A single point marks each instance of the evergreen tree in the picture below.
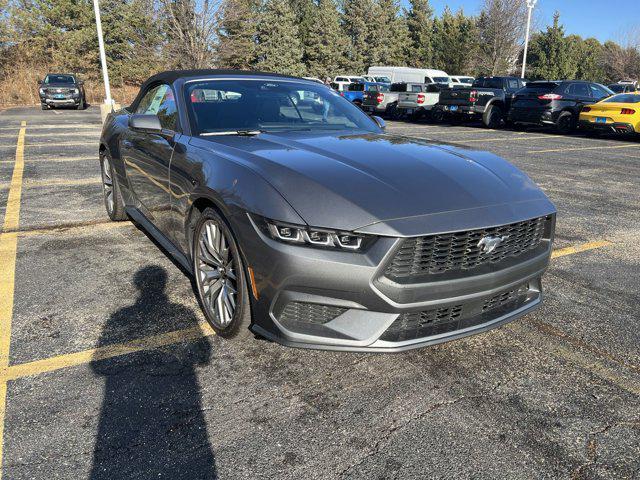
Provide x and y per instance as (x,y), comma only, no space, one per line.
(455,42)
(550,56)
(305,12)
(279,48)
(420,26)
(388,36)
(326,44)
(357,17)
(236,35)
(590,66)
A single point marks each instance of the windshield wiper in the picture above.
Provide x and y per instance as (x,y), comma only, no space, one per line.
(241,133)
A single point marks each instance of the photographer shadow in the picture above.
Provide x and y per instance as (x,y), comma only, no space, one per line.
(151,423)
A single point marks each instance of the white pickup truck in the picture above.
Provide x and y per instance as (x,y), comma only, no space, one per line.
(418,100)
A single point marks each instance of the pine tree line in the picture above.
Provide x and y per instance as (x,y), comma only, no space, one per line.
(317,38)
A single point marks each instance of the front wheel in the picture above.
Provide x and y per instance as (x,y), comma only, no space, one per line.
(111,190)
(220,277)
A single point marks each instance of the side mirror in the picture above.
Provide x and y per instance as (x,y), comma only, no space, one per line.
(39,82)
(145,123)
(380,122)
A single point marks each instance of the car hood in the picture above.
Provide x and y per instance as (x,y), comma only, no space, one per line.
(386,184)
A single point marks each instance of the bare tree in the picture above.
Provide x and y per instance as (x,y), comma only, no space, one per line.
(501,25)
(191,27)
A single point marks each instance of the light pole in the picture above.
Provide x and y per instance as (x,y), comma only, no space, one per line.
(530,5)
(108,102)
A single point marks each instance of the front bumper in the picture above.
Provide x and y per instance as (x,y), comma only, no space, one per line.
(338,300)
(67,101)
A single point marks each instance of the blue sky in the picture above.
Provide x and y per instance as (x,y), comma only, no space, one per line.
(587,18)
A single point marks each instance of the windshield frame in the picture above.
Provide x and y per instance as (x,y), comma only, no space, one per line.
(185,101)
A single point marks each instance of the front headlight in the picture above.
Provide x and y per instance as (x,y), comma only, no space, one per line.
(75,91)
(313,237)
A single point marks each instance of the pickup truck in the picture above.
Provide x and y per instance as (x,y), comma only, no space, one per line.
(383,102)
(418,100)
(355,91)
(488,98)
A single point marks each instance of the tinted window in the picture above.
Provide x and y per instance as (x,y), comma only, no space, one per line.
(356,87)
(398,87)
(441,79)
(599,91)
(230,105)
(578,90)
(617,88)
(513,84)
(468,81)
(377,88)
(428,80)
(416,88)
(624,98)
(433,88)
(59,79)
(493,83)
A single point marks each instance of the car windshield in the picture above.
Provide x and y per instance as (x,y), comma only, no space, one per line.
(228,106)
(624,98)
(440,79)
(383,79)
(466,80)
(59,79)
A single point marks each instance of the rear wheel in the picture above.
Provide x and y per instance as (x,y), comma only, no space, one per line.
(566,123)
(437,116)
(220,276)
(44,106)
(492,117)
(111,191)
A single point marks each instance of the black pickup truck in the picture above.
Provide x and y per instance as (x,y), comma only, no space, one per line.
(61,90)
(488,98)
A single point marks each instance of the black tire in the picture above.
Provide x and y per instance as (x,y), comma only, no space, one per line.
(416,116)
(112,196)
(566,123)
(437,116)
(44,106)
(492,117)
(392,112)
(237,324)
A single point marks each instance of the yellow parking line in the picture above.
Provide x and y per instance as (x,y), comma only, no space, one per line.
(512,138)
(561,252)
(51,364)
(8,251)
(576,149)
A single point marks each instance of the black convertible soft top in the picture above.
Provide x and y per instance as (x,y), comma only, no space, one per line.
(170,76)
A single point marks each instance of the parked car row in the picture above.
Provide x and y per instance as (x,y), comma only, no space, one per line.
(563,104)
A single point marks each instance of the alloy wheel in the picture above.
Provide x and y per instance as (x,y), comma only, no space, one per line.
(107,184)
(217,274)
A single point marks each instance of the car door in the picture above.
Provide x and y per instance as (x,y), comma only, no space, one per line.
(147,155)
(582,95)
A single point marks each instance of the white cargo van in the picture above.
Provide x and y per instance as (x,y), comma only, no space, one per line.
(411,75)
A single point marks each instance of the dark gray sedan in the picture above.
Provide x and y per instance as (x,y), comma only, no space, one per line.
(305,223)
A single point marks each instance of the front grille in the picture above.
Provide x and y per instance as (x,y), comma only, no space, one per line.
(303,312)
(460,251)
(427,323)
(58,90)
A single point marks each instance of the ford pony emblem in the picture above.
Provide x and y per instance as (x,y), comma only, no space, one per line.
(489,243)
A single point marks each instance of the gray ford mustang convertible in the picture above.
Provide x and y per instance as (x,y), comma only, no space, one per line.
(304,222)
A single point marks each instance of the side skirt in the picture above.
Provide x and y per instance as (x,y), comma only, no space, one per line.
(138,217)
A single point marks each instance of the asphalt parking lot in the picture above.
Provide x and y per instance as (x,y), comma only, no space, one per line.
(109,372)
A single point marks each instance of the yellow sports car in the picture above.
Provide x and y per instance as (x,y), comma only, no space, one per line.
(619,114)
